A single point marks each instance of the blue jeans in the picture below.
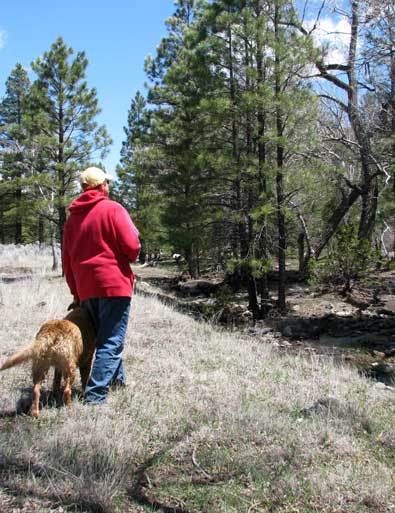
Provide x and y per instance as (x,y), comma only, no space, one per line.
(110,316)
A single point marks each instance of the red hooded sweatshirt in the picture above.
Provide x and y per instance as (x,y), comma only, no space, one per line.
(99,241)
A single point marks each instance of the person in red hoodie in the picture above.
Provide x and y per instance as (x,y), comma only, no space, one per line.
(99,242)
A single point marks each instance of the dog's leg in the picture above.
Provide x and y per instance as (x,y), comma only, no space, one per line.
(36,400)
(70,377)
(38,377)
(57,381)
(85,371)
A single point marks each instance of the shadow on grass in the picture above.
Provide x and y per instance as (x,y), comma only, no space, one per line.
(48,399)
(13,467)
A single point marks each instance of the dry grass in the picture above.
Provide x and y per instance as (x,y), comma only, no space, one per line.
(210,422)
(16,259)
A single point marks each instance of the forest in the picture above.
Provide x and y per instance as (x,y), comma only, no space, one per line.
(263,140)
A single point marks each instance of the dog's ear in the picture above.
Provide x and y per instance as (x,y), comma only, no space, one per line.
(72,306)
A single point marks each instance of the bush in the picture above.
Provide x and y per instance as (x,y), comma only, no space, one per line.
(350,259)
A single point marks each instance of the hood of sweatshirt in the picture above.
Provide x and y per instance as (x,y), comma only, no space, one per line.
(86,201)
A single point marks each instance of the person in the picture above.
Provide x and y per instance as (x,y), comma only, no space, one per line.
(99,242)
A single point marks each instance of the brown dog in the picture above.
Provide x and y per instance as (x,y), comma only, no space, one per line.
(64,344)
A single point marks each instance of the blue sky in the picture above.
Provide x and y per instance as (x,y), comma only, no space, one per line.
(116,35)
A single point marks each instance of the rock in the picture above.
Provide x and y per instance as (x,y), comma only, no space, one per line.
(378,354)
(322,406)
(235,314)
(332,406)
(383,372)
(288,332)
(197,287)
(343,313)
(247,315)
(385,311)
(257,331)
(384,368)
(389,306)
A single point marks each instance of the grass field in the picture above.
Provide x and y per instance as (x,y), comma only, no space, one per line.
(210,422)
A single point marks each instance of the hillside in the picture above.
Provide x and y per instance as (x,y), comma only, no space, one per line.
(211,421)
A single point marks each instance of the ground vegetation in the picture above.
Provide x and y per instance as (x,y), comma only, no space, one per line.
(211,421)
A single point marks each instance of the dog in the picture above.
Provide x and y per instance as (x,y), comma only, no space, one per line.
(64,344)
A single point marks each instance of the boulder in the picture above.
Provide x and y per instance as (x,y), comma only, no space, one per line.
(193,288)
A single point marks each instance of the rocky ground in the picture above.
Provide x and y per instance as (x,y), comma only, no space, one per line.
(359,329)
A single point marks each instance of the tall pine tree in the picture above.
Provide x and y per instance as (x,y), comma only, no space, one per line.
(135,187)
(14,144)
(180,79)
(63,119)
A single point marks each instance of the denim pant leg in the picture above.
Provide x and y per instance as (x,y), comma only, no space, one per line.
(110,316)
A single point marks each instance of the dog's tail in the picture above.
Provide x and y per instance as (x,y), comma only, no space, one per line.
(20,356)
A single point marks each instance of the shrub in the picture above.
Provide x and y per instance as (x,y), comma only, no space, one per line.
(349,259)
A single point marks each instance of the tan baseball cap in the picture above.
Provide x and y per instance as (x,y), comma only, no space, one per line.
(94,176)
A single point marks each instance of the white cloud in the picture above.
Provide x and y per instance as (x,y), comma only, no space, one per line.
(335,35)
(3,38)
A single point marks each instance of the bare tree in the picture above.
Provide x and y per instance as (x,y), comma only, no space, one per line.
(344,90)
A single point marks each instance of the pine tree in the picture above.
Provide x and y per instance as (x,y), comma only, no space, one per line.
(263,110)
(180,80)
(135,187)
(63,121)
(14,148)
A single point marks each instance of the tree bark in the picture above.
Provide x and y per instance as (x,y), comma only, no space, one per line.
(368,185)
(334,221)
(55,260)
(263,286)
(40,231)
(279,175)
(18,219)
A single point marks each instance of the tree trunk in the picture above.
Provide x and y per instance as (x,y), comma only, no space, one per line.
(18,220)
(369,186)
(279,175)
(301,251)
(263,286)
(62,222)
(190,258)
(236,186)
(334,221)
(40,230)
(249,235)
(368,210)
(55,260)
(62,215)
(2,237)
(392,114)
